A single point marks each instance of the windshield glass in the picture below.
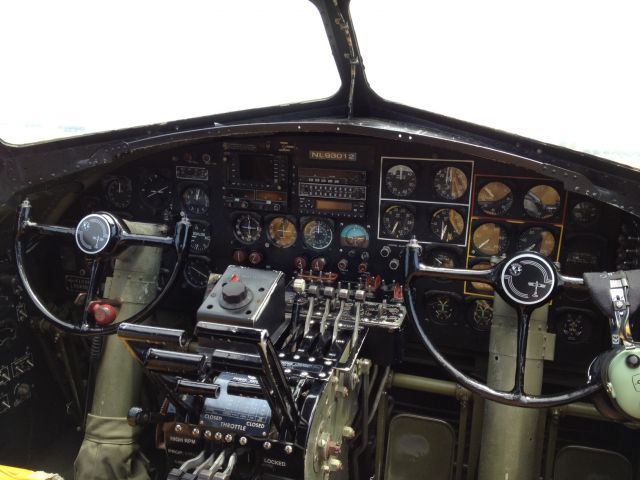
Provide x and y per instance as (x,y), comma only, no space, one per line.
(76,67)
(566,73)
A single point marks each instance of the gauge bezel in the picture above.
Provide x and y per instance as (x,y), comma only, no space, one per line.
(389,235)
(458,236)
(164,198)
(323,220)
(476,250)
(437,189)
(188,262)
(236,218)
(124,180)
(344,244)
(191,208)
(208,235)
(269,220)
(511,194)
(392,189)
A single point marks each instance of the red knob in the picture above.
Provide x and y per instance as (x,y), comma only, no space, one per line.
(300,263)
(104,313)
(239,256)
(318,264)
(255,258)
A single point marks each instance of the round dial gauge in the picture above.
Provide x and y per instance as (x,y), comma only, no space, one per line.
(537,239)
(450,183)
(119,192)
(441,259)
(317,234)
(447,224)
(542,201)
(196,272)
(398,222)
(247,228)
(480,286)
(441,309)
(156,191)
(195,200)
(200,237)
(400,180)
(574,326)
(495,198)
(490,239)
(282,232)
(481,314)
(585,213)
(355,236)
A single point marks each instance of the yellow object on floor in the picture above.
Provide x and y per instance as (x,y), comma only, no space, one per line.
(13,473)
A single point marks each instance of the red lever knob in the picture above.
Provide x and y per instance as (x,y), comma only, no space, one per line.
(104,313)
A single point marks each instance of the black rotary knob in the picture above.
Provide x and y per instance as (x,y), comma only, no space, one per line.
(234,292)
(633,361)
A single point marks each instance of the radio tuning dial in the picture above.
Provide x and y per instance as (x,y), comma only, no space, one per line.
(318,264)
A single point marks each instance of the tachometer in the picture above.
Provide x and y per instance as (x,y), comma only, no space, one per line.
(156,191)
(537,239)
(247,228)
(447,224)
(119,192)
(495,198)
(450,183)
(354,235)
(200,237)
(282,232)
(317,234)
(542,201)
(398,221)
(195,200)
(490,239)
(400,180)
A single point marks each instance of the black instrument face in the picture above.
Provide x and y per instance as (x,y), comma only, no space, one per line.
(196,272)
(93,234)
(119,192)
(398,222)
(156,191)
(585,213)
(401,180)
(441,309)
(247,229)
(574,326)
(200,237)
(450,183)
(480,314)
(317,234)
(447,224)
(195,200)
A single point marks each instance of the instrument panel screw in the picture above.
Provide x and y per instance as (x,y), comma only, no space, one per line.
(267,445)
(178,428)
(195,432)
(288,449)
(218,436)
(228,438)
(208,434)
(243,440)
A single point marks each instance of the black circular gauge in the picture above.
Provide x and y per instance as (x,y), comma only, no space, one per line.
(196,272)
(400,180)
(495,198)
(441,308)
(482,287)
(542,201)
(156,191)
(317,234)
(490,239)
(119,192)
(195,200)
(450,183)
(537,239)
(574,326)
(441,259)
(247,228)
(200,237)
(398,222)
(585,213)
(282,232)
(480,314)
(447,224)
